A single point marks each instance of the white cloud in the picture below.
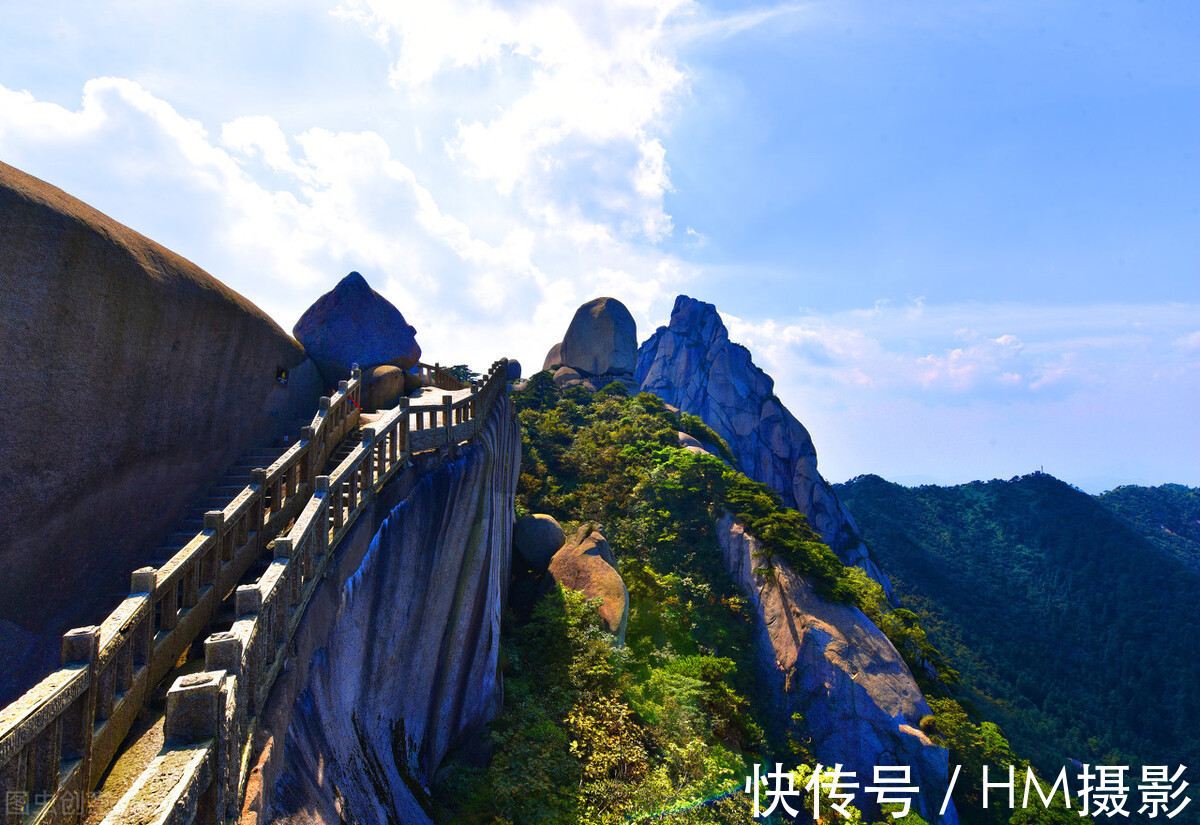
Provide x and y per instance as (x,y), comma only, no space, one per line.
(281,217)
(956,354)
(955,392)
(598,80)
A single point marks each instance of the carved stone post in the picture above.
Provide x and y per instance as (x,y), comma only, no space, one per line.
(214,520)
(368,466)
(447,412)
(258,515)
(81,646)
(196,706)
(321,490)
(144,580)
(248,602)
(223,652)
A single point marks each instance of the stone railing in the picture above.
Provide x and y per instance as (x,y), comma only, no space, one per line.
(438,376)
(200,774)
(57,740)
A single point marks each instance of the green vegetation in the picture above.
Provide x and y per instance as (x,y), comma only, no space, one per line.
(1168,517)
(668,727)
(1069,629)
(464,373)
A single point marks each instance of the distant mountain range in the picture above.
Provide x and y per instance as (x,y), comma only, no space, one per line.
(1072,618)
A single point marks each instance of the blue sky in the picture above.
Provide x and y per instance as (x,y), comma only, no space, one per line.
(964,237)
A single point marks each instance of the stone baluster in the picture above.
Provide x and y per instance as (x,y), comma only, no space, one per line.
(144,580)
(214,520)
(336,492)
(14,788)
(447,401)
(196,708)
(394,441)
(368,463)
(190,583)
(247,603)
(45,759)
(81,646)
(284,549)
(306,466)
(321,488)
(169,607)
(223,652)
(258,477)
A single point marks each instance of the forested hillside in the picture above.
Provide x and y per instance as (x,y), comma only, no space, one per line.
(1166,516)
(667,727)
(1070,628)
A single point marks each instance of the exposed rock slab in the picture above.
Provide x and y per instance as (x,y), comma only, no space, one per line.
(587,564)
(829,663)
(354,324)
(397,654)
(163,377)
(692,364)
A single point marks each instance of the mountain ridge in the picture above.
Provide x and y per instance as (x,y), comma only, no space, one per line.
(1071,623)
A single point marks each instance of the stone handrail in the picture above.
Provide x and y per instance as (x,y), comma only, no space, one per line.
(440,377)
(206,759)
(57,739)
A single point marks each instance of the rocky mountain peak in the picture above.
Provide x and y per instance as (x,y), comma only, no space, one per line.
(354,324)
(692,364)
(600,346)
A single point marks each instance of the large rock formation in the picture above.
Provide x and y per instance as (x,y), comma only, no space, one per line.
(354,324)
(397,653)
(828,663)
(600,346)
(692,364)
(587,564)
(382,387)
(537,538)
(132,380)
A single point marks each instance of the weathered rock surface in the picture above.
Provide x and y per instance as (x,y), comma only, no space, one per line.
(382,387)
(354,324)
(692,364)
(514,370)
(537,538)
(602,339)
(397,653)
(151,378)
(829,663)
(695,445)
(553,357)
(587,564)
(567,377)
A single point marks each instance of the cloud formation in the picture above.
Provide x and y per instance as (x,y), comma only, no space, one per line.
(490,166)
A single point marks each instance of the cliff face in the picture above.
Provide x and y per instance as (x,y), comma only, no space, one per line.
(398,650)
(132,380)
(692,364)
(829,663)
